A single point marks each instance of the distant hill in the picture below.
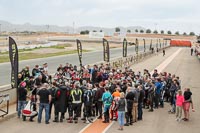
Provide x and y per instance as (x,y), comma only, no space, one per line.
(9,27)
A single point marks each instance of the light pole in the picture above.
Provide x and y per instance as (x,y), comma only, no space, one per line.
(47,32)
(0,28)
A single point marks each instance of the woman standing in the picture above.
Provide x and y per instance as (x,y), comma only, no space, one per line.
(121,111)
(179,105)
(186,106)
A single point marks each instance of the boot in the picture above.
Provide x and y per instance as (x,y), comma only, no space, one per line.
(70,120)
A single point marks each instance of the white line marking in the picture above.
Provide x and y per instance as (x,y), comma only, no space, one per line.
(105,130)
(166,62)
(87,126)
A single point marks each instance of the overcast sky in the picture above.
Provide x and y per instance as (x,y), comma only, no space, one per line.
(175,15)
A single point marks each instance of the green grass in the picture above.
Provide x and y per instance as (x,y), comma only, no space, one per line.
(27,56)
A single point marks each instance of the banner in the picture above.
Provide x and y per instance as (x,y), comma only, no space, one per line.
(106,50)
(13,53)
(125,43)
(136,46)
(144,45)
(150,47)
(160,43)
(163,43)
(79,50)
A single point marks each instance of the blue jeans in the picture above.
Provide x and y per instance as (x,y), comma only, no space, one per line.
(121,115)
(21,106)
(41,107)
(106,112)
(140,112)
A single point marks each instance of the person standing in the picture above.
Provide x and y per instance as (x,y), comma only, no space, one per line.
(140,101)
(186,105)
(107,100)
(163,52)
(76,101)
(98,98)
(88,101)
(135,103)
(44,98)
(121,110)
(130,96)
(158,86)
(61,95)
(21,98)
(52,91)
(179,105)
(192,50)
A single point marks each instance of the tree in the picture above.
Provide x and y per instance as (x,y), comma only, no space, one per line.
(117,29)
(155,32)
(136,30)
(162,32)
(141,31)
(148,31)
(169,32)
(94,31)
(84,32)
(192,34)
(128,31)
(185,34)
(177,33)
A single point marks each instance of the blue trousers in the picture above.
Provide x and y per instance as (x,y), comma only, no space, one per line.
(21,106)
(44,106)
(121,115)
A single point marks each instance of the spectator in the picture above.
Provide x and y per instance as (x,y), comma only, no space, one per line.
(44,98)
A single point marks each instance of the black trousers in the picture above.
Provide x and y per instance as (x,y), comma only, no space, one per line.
(99,106)
(76,110)
(57,115)
(157,100)
(88,111)
(128,116)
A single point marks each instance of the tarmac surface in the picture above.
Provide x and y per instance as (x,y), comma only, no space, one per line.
(182,64)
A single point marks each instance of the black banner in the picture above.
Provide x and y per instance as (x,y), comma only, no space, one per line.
(144,45)
(150,47)
(136,46)
(13,53)
(106,50)
(79,50)
(125,43)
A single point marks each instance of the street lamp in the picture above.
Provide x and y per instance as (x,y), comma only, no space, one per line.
(0,28)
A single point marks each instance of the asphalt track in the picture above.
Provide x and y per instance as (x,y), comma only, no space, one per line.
(53,62)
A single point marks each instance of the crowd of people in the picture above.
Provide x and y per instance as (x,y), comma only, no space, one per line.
(99,91)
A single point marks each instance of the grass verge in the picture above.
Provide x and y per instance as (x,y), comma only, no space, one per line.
(26,56)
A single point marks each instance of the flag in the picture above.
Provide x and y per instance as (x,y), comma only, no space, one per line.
(79,50)
(125,47)
(150,47)
(136,46)
(13,53)
(106,50)
(144,45)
